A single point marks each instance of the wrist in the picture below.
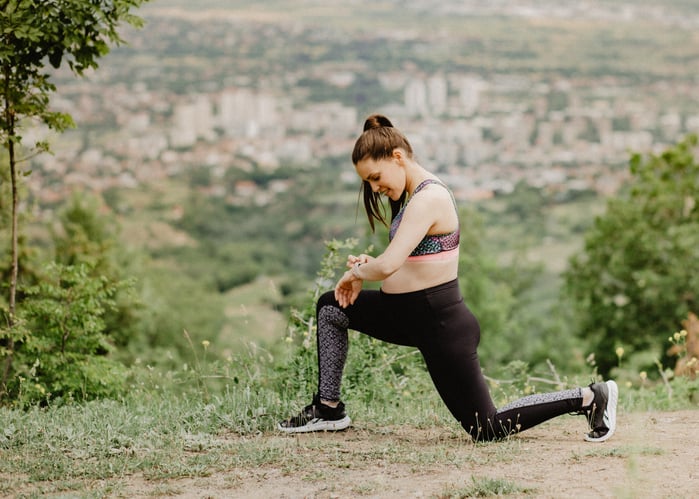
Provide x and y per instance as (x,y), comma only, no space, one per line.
(355,271)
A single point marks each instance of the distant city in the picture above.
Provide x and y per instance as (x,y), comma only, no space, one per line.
(484,132)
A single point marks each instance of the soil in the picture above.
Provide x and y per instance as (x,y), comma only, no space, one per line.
(651,455)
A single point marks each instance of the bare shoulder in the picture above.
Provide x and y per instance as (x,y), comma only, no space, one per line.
(434,194)
(430,205)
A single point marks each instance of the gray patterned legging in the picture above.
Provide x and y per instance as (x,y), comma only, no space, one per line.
(437,322)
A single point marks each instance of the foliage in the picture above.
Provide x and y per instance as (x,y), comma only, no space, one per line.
(487,487)
(638,274)
(60,350)
(33,33)
(86,234)
(172,303)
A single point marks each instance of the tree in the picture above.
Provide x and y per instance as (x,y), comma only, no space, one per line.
(33,35)
(86,235)
(638,274)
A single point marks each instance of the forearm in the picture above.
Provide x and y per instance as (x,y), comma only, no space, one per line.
(374,270)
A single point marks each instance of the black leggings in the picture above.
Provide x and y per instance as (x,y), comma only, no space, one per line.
(437,322)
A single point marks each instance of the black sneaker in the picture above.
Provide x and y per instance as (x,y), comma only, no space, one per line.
(317,417)
(601,414)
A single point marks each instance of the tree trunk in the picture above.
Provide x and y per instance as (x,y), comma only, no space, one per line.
(10,124)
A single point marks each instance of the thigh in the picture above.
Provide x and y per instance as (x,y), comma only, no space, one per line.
(373,315)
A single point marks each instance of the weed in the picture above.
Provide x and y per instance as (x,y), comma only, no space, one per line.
(486,487)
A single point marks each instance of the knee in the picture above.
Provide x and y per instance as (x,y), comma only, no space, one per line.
(331,315)
(327,298)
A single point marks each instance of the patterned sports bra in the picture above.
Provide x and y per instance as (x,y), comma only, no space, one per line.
(430,244)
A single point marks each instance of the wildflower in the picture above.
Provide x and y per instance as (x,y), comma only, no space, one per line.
(676,336)
(683,333)
(619,352)
(643,375)
(288,339)
(206,344)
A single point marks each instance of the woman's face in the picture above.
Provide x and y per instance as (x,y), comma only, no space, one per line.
(386,176)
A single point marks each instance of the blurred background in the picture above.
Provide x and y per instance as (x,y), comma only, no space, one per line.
(211,157)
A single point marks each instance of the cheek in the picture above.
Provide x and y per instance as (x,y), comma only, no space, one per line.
(397,181)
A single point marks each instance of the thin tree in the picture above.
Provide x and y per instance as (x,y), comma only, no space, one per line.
(36,34)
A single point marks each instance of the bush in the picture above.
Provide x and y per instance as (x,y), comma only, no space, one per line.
(58,349)
(637,275)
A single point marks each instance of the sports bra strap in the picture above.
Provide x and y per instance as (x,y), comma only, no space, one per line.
(430,244)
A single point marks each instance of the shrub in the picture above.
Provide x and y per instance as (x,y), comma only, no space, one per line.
(60,350)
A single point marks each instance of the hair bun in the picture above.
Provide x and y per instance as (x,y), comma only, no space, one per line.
(377,121)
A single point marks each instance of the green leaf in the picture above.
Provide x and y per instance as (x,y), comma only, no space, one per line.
(55,58)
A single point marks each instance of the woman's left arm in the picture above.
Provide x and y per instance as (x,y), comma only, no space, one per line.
(419,217)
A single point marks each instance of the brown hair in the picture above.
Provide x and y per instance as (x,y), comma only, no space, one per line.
(378,141)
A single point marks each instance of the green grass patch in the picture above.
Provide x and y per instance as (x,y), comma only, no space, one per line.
(486,487)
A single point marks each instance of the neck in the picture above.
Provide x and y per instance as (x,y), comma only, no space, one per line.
(415,176)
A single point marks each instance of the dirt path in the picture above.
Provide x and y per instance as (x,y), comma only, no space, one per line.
(652,455)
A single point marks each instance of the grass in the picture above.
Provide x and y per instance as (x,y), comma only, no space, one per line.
(486,487)
(163,435)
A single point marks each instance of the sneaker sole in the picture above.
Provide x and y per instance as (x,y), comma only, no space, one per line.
(318,425)
(610,412)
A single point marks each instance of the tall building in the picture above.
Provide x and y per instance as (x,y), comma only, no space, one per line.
(192,120)
(470,89)
(244,112)
(416,97)
(437,95)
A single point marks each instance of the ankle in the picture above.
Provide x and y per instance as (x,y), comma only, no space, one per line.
(588,397)
(330,403)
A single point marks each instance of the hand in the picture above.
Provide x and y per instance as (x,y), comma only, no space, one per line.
(351,260)
(347,289)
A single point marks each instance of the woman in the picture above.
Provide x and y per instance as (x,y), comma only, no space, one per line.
(420,305)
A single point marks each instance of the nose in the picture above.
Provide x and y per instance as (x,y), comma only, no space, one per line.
(374,186)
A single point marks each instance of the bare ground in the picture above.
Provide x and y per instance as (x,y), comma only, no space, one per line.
(652,455)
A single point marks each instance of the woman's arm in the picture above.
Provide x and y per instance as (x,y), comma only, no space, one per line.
(424,212)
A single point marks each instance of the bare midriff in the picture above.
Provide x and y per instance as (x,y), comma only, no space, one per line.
(421,272)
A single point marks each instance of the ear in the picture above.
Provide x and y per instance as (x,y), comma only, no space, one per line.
(399,155)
